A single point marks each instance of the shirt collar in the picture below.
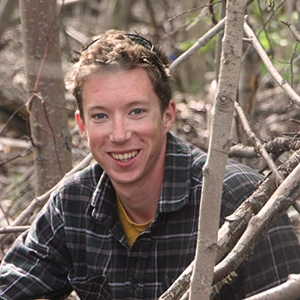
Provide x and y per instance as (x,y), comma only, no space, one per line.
(177,177)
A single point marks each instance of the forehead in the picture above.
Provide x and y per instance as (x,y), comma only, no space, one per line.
(132,77)
(131,84)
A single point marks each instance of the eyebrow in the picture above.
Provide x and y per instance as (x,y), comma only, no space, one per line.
(131,104)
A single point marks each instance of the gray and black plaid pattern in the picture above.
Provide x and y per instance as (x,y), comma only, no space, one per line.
(77,241)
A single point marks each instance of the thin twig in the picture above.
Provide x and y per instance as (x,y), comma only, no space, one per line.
(22,154)
(10,118)
(28,106)
(194,9)
(258,145)
(293,30)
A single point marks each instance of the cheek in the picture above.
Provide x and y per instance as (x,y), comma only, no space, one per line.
(95,137)
(149,131)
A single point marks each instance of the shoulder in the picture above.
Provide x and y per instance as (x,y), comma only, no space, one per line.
(77,188)
(240,181)
(87,177)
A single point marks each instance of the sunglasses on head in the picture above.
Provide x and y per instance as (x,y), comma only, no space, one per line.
(139,40)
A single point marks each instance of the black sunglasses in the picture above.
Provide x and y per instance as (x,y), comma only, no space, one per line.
(139,40)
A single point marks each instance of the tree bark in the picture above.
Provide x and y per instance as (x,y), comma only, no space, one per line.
(214,168)
(48,116)
(6,10)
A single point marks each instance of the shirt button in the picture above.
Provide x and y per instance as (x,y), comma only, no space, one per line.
(134,284)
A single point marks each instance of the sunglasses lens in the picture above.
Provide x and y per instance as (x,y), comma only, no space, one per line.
(140,41)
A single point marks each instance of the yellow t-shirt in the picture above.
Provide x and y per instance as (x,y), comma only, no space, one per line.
(131,229)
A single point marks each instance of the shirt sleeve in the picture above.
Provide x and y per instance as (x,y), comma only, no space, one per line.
(275,257)
(276,254)
(37,264)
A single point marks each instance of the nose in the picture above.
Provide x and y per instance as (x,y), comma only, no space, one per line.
(120,131)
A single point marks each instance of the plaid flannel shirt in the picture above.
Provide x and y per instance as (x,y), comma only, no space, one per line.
(77,241)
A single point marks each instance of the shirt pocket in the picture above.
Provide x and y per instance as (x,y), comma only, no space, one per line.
(93,289)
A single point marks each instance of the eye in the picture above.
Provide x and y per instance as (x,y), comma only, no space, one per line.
(99,116)
(137,111)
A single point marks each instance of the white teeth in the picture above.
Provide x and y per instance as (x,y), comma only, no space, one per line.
(124,157)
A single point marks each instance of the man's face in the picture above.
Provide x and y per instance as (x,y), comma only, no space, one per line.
(124,125)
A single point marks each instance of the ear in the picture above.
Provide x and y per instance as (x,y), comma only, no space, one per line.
(169,115)
(80,124)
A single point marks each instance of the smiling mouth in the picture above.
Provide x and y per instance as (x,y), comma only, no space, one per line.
(124,157)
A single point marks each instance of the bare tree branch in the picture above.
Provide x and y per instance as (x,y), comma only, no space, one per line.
(11,142)
(13,229)
(293,30)
(199,44)
(258,145)
(180,286)
(274,73)
(235,224)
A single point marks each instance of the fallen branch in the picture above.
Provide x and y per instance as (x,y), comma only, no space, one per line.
(273,146)
(180,286)
(235,224)
(16,143)
(13,229)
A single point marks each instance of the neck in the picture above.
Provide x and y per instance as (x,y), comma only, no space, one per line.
(140,200)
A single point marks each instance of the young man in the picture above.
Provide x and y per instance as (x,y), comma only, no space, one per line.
(126,227)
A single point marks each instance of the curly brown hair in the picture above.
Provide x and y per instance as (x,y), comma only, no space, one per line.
(113,51)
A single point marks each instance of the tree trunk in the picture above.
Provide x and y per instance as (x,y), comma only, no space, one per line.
(48,121)
(6,10)
(214,169)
